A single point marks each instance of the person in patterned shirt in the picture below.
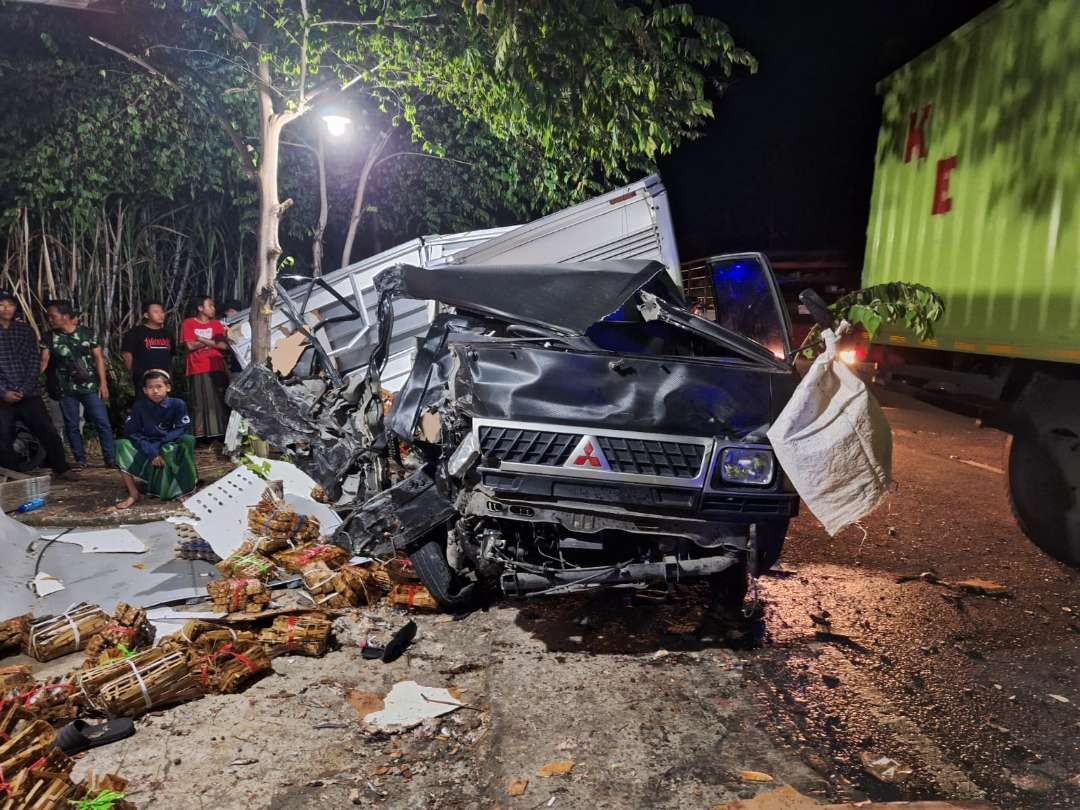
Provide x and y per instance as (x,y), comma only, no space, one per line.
(73,359)
(20,397)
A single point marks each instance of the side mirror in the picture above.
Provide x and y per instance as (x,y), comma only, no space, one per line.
(817,308)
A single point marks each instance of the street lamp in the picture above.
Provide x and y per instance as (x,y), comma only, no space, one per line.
(336,123)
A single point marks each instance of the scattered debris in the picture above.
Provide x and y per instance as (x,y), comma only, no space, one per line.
(755,776)
(1058,698)
(408,704)
(981,587)
(518,787)
(884,769)
(1032,782)
(559,767)
(44,584)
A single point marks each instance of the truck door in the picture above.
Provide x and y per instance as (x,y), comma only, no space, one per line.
(747,300)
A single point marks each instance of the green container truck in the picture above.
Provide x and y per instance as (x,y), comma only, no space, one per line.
(977,195)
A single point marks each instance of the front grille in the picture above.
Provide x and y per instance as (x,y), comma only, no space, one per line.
(526,446)
(749,505)
(649,457)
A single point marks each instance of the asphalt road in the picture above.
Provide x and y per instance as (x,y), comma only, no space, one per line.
(979,695)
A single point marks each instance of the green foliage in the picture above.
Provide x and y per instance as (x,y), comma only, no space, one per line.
(914,306)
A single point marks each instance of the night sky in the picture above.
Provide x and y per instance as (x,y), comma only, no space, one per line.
(788,162)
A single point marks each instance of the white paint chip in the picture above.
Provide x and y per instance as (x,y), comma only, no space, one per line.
(408,704)
(44,584)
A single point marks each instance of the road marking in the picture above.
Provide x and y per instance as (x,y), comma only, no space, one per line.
(981,466)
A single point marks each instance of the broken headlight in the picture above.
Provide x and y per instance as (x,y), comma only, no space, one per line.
(747,465)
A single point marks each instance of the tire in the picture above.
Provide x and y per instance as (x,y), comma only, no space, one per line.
(770,542)
(1045,503)
(30,451)
(430,563)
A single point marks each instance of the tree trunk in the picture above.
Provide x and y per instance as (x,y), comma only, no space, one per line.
(320,229)
(358,201)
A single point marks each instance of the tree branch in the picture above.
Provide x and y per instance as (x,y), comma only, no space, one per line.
(230,130)
(375,165)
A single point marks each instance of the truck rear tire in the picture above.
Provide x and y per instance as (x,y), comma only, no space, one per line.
(1044,496)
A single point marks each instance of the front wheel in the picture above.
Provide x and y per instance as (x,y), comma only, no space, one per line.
(448,588)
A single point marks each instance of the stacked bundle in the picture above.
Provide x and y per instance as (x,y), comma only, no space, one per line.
(14,677)
(13,634)
(55,700)
(53,636)
(297,635)
(278,527)
(129,630)
(247,563)
(413,597)
(35,775)
(130,687)
(370,582)
(295,559)
(203,636)
(224,669)
(328,589)
(234,595)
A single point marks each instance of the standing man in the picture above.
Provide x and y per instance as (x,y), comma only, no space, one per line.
(72,354)
(148,346)
(206,341)
(20,364)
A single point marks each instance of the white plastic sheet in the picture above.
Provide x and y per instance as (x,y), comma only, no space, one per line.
(834,442)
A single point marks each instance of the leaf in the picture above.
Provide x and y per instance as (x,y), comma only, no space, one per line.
(560,767)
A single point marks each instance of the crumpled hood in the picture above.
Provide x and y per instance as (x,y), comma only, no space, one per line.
(568,298)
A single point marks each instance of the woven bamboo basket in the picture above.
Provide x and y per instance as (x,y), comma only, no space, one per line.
(13,633)
(15,677)
(44,785)
(247,563)
(235,595)
(53,636)
(225,669)
(370,582)
(275,521)
(307,634)
(129,630)
(131,687)
(328,589)
(203,636)
(23,741)
(295,559)
(413,598)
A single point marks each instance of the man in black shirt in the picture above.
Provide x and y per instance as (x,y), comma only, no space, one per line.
(20,364)
(148,346)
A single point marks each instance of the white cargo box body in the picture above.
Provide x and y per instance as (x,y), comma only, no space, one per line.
(632,222)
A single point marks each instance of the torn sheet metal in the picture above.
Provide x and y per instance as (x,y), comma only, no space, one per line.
(400,515)
(44,584)
(110,541)
(546,295)
(312,425)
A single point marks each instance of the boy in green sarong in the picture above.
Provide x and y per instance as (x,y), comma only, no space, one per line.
(158,448)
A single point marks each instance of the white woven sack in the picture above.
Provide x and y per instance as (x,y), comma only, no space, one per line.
(834,442)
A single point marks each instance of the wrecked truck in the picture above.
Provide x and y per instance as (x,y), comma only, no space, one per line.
(563,427)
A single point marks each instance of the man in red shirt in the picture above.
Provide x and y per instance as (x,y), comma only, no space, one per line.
(206,340)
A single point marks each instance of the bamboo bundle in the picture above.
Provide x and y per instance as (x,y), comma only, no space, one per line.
(22,742)
(281,525)
(129,630)
(198,636)
(13,633)
(96,788)
(232,595)
(297,635)
(400,571)
(133,686)
(413,597)
(15,677)
(53,636)
(247,563)
(56,701)
(370,582)
(295,559)
(225,669)
(329,589)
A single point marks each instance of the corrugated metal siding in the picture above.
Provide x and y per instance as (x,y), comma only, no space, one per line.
(1004,92)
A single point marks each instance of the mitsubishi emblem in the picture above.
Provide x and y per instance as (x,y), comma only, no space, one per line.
(587,455)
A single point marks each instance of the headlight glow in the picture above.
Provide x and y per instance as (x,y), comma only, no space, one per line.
(745,465)
(848,356)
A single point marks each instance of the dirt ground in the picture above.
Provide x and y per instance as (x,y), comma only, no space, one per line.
(657,706)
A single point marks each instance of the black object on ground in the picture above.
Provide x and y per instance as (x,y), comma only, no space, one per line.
(399,643)
(79,735)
